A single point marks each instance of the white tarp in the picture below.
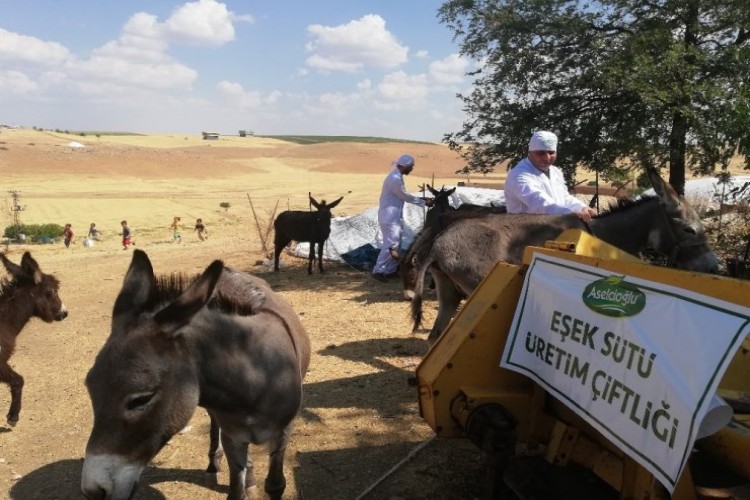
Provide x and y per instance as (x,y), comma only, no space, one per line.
(361,231)
(708,188)
(638,360)
(349,234)
(75,145)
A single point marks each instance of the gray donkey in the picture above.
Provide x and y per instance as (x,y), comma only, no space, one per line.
(227,343)
(461,255)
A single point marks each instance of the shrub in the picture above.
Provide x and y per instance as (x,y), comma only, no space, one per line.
(34,232)
(225,205)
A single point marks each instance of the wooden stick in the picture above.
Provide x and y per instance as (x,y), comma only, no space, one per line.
(264,249)
(269,226)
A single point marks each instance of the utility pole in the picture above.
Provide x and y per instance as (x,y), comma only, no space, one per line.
(16,208)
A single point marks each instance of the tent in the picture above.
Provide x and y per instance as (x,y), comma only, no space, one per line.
(357,239)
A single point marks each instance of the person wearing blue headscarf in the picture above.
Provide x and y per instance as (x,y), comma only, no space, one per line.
(390,210)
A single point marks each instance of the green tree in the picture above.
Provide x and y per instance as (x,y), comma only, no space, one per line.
(622,82)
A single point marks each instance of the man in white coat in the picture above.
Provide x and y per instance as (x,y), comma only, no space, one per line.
(536,186)
(392,199)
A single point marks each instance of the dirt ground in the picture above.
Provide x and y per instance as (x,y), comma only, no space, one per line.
(360,418)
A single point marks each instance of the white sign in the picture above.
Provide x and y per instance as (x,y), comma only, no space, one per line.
(638,360)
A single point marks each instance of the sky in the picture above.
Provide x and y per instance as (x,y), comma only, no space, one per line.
(383,68)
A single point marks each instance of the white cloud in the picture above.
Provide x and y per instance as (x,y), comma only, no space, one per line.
(422,54)
(205,22)
(15,82)
(15,47)
(398,86)
(273,97)
(238,96)
(353,46)
(364,85)
(166,74)
(450,70)
(139,57)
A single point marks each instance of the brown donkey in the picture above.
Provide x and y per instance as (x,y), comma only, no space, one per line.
(29,293)
(227,343)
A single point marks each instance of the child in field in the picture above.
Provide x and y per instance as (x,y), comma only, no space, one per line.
(126,235)
(201,229)
(68,235)
(94,233)
(176,227)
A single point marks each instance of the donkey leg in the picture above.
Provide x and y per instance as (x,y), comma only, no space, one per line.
(320,256)
(15,381)
(215,451)
(238,459)
(278,245)
(449,297)
(275,481)
(311,257)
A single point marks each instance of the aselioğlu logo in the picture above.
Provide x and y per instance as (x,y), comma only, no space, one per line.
(613,296)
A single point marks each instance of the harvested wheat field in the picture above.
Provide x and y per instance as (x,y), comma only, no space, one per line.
(360,417)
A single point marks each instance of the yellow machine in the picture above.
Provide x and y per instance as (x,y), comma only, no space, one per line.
(464,393)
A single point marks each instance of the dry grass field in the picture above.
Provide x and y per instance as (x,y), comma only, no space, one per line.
(360,416)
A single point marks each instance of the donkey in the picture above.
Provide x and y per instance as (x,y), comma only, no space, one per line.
(29,293)
(300,226)
(439,216)
(464,253)
(227,343)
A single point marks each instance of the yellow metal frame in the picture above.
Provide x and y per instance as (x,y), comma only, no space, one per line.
(461,372)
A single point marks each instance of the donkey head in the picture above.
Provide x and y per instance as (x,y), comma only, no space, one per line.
(143,384)
(323,215)
(680,232)
(43,288)
(441,198)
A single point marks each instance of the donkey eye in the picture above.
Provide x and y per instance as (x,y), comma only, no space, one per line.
(690,230)
(137,402)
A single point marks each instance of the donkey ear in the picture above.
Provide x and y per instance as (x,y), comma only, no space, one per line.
(451,191)
(180,312)
(137,289)
(664,191)
(432,190)
(31,268)
(314,203)
(332,205)
(14,269)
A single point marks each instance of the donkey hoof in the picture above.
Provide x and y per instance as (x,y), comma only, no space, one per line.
(275,488)
(211,479)
(12,421)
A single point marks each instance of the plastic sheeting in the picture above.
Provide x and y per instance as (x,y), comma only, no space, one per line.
(356,240)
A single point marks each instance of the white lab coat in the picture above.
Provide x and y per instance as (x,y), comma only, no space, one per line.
(529,190)
(392,199)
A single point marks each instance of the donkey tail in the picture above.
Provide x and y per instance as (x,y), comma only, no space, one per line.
(416,311)
(416,301)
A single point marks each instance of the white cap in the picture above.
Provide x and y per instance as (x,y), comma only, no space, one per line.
(543,141)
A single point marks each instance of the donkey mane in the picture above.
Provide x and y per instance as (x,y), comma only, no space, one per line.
(625,204)
(7,286)
(170,286)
